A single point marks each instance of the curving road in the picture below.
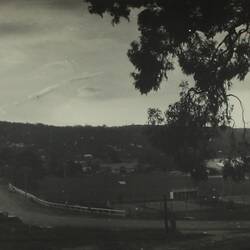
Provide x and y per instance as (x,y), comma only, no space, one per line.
(33,214)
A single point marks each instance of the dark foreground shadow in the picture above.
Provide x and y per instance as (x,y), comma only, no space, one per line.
(18,236)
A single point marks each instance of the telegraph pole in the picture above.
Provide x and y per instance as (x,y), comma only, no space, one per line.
(165,213)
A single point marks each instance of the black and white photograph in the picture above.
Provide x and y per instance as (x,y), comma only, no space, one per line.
(124,125)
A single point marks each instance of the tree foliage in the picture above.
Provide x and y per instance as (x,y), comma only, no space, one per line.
(210,41)
(185,134)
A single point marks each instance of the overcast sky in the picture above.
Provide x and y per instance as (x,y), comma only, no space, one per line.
(60,65)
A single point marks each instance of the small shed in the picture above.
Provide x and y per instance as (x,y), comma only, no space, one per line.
(184,194)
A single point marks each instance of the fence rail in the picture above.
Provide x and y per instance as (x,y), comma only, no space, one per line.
(83,209)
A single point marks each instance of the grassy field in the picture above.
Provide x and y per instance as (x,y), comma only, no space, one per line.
(101,188)
(98,189)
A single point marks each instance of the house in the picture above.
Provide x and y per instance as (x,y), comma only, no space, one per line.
(215,165)
(120,167)
(88,156)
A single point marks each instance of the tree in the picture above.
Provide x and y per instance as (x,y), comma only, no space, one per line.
(185,134)
(72,169)
(210,40)
(28,168)
(237,163)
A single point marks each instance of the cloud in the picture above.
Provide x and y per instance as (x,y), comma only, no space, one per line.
(66,4)
(53,88)
(39,95)
(43,92)
(92,89)
(16,28)
(89,92)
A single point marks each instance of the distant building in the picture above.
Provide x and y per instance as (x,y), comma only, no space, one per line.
(120,167)
(215,165)
(183,194)
(88,156)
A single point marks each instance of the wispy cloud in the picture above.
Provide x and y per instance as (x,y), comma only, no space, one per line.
(43,92)
(53,88)
(92,89)
(47,91)
(16,28)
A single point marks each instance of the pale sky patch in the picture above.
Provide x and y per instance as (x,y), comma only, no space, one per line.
(60,65)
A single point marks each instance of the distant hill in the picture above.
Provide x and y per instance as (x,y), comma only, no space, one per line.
(110,144)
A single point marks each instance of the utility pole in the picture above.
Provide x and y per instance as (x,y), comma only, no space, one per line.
(165,213)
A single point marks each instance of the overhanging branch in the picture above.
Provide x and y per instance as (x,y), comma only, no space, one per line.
(242,112)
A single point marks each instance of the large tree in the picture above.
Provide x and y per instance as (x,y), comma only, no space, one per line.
(210,40)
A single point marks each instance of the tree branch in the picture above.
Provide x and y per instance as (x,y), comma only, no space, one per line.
(242,113)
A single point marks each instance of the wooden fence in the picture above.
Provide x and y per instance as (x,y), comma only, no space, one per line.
(77,208)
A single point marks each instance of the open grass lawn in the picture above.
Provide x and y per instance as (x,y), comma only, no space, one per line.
(103,188)
(217,213)
(100,188)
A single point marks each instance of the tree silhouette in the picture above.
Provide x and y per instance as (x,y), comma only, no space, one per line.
(28,168)
(209,39)
(185,134)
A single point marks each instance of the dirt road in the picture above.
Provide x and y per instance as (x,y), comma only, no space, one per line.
(33,214)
